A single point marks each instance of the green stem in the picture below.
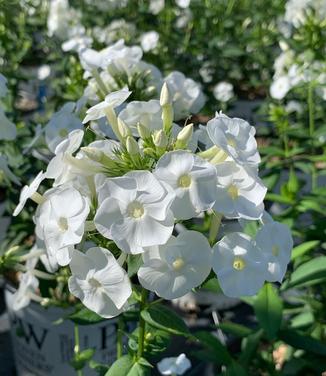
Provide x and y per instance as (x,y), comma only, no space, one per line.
(141,330)
(120,337)
(311,110)
(77,346)
(216,220)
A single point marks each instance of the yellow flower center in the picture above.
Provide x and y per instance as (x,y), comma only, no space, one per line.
(231,142)
(233,191)
(275,250)
(136,210)
(63,224)
(94,283)
(239,263)
(184,181)
(178,264)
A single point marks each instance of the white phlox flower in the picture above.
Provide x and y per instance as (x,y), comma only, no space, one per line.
(173,269)
(99,281)
(240,266)
(223,91)
(60,221)
(28,285)
(136,212)
(235,137)
(149,40)
(280,87)
(148,114)
(186,94)
(174,365)
(191,178)
(111,101)
(183,3)
(240,192)
(275,242)
(28,191)
(61,124)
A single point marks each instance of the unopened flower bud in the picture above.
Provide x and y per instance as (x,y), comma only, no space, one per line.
(123,128)
(160,140)
(143,131)
(184,136)
(165,97)
(94,154)
(132,146)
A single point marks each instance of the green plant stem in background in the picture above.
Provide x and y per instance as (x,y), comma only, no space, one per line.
(311,109)
(141,332)
(77,346)
(120,337)
(216,220)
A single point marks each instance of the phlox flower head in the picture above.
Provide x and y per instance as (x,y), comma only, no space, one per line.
(173,269)
(99,281)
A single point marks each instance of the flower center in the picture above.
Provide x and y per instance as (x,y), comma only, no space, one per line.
(178,264)
(233,191)
(63,224)
(63,133)
(136,209)
(275,250)
(231,142)
(239,263)
(94,283)
(184,181)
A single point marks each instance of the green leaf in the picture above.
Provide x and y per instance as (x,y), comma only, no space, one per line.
(302,341)
(99,368)
(219,351)
(303,248)
(314,269)
(164,318)
(268,308)
(235,329)
(134,263)
(85,316)
(249,347)
(278,198)
(127,366)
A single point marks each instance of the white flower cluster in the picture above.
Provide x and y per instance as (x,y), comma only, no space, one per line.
(117,66)
(131,192)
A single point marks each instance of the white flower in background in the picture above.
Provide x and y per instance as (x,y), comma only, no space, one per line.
(240,266)
(60,221)
(7,128)
(280,87)
(186,94)
(61,124)
(178,266)
(28,285)
(3,86)
(99,281)
(59,168)
(77,43)
(111,101)
(5,172)
(275,241)
(192,179)
(223,91)
(156,6)
(174,366)
(183,3)
(294,106)
(148,114)
(28,191)
(235,137)
(149,40)
(240,192)
(136,212)
(43,72)
(295,11)
(184,19)
(63,21)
